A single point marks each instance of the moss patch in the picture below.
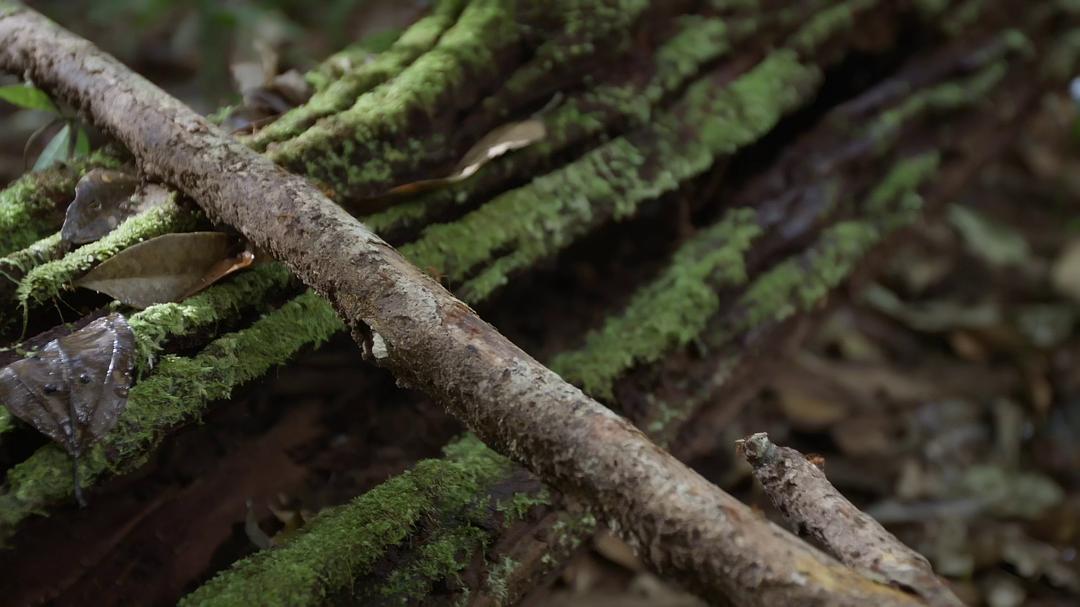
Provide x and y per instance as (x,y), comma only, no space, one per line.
(667,313)
(612,180)
(698,41)
(177,392)
(347,75)
(46,281)
(155,325)
(34,204)
(341,544)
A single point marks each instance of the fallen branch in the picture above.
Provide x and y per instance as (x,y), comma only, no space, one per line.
(801,492)
(682,524)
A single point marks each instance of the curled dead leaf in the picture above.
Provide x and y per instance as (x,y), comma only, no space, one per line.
(74,389)
(506,138)
(167,268)
(99,196)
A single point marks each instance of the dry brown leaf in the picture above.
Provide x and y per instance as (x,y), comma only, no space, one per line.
(74,389)
(167,268)
(506,138)
(103,199)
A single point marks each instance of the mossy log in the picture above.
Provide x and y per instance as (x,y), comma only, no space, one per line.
(616,144)
(840,191)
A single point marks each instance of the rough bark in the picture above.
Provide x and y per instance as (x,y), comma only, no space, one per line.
(801,492)
(682,524)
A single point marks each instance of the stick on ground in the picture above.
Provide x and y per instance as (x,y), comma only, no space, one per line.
(801,492)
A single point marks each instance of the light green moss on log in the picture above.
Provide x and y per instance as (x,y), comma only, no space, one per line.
(352,149)
(48,280)
(697,42)
(177,392)
(22,261)
(33,205)
(937,99)
(341,544)
(800,282)
(341,83)
(587,28)
(667,313)
(441,557)
(156,325)
(611,181)
(826,24)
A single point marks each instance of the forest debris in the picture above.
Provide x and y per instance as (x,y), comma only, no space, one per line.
(504,139)
(933,316)
(167,268)
(995,243)
(801,492)
(104,198)
(74,389)
(1066,272)
(1011,493)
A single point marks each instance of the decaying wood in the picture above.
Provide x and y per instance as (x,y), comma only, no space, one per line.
(682,524)
(801,492)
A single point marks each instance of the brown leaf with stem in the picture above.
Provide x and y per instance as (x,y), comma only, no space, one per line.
(74,389)
(506,138)
(167,268)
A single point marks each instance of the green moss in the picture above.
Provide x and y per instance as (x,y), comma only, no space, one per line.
(498,580)
(956,21)
(667,313)
(930,9)
(697,42)
(155,325)
(611,181)
(441,557)
(518,506)
(345,76)
(825,24)
(176,392)
(34,204)
(938,99)
(355,150)
(341,544)
(46,281)
(15,265)
(800,282)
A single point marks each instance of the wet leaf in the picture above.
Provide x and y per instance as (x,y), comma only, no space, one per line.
(57,150)
(506,138)
(29,97)
(74,389)
(993,242)
(103,200)
(167,268)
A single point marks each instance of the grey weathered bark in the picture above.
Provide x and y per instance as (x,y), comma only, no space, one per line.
(682,524)
(801,492)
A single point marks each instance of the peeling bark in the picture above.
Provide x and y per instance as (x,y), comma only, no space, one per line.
(683,525)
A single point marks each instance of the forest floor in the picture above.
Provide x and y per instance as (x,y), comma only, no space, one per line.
(941,390)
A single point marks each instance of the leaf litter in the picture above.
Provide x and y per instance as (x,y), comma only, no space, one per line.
(75,387)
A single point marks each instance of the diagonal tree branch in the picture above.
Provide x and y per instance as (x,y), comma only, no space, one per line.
(806,498)
(681,523)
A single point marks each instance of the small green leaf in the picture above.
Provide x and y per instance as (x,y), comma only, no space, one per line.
(26,96)
(82,144)
(56,151)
